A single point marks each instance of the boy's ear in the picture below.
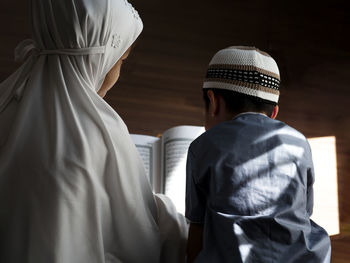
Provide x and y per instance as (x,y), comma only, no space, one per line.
(275,112)
(214,103)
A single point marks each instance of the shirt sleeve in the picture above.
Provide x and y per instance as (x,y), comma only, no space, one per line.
(310,191)
(195,197)
(310,183)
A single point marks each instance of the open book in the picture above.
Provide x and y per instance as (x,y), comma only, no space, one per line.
(165,160)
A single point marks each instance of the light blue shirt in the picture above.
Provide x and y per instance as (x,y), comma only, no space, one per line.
(249,181)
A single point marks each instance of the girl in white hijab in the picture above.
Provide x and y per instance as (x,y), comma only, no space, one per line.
(72,185)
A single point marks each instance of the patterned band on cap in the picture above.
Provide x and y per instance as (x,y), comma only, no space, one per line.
(248,76)
(245,70)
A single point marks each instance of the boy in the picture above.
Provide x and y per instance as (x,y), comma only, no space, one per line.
(249,177)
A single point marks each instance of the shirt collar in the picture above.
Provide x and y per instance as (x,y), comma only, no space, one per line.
(248,112)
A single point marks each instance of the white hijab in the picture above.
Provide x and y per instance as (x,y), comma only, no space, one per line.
(72,185)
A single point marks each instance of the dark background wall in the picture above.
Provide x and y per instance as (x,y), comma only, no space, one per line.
(160,86)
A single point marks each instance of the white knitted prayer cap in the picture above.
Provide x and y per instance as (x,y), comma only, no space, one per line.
(245,70)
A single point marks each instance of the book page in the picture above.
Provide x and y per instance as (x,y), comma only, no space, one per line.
(175,144)
(149,150)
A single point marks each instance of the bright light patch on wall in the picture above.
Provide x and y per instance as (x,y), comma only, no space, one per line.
(326,212)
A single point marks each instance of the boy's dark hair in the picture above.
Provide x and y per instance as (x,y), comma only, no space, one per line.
(238,102)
